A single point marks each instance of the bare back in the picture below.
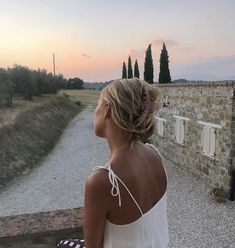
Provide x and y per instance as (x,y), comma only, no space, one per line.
(143,173)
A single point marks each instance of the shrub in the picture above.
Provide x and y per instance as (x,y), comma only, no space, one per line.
(6,90)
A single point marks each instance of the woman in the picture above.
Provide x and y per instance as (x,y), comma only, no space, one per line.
(125,200)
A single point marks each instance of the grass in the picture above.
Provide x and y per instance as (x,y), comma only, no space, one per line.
(30,129)
(8,115)
(86,97)
(35,129)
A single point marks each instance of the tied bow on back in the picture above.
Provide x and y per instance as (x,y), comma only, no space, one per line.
(115,191)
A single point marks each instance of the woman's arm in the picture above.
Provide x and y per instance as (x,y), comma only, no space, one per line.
(96,206)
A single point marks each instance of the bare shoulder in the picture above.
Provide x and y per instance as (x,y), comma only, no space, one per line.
(152,148)
(157,165)
(98,182)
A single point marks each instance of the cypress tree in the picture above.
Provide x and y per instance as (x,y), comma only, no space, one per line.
(164,74)
(148,66)
(130,71)
(124,75)
(136,70)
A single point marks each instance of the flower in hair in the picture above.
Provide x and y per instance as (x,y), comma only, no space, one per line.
(148,106)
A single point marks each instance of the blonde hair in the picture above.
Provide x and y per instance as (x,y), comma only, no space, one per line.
(126,97)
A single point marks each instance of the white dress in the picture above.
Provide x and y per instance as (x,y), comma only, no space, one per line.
(149,231)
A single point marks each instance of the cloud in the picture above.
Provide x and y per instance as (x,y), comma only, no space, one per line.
(213,68)
(86,55)
(159,42)
(140,53)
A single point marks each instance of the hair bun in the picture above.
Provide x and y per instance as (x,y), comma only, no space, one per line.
(133,102)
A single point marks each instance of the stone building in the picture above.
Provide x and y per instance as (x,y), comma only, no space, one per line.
(195,128)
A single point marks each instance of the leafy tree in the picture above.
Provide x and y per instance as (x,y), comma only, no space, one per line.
(52,86)
(6,88)
(23,81)
(41,82)
(136,70)
(75,83)
(60,81)
(29,83)
(124,74)
(47,83)
(148,66)
(130,71)
(164,74)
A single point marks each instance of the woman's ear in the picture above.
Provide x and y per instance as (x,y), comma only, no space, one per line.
(107,110)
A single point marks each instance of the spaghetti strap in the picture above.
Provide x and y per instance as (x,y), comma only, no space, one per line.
(156,149)
(115,191)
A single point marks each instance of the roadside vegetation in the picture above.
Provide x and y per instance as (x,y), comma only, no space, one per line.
(30,133)
(35,108)
(27,84)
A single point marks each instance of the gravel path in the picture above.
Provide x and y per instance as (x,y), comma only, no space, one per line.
(194,220)
(58,182)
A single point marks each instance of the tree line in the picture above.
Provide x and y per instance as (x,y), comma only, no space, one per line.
(22,81)
(164,73)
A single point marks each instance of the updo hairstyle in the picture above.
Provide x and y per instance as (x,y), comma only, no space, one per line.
(127,97)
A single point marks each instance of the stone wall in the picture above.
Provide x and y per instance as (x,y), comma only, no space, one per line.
(232,155)
(209,102)
(42,229)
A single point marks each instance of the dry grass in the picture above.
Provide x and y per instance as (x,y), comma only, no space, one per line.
(8,115)
(86,97)
(32,130)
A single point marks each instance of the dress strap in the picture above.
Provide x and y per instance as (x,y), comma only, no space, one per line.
(115,191)
(156,149)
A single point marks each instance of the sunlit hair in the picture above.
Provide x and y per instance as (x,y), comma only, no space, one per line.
(126,97)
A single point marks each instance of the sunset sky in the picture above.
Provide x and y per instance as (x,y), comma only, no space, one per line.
(92,38)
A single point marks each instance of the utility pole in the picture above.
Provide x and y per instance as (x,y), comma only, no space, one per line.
(54,63)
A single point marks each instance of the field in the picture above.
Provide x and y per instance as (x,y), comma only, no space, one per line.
(8,115)
(86,97)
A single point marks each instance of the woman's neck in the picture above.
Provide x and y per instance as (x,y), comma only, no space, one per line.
(120,146)
(118,140)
